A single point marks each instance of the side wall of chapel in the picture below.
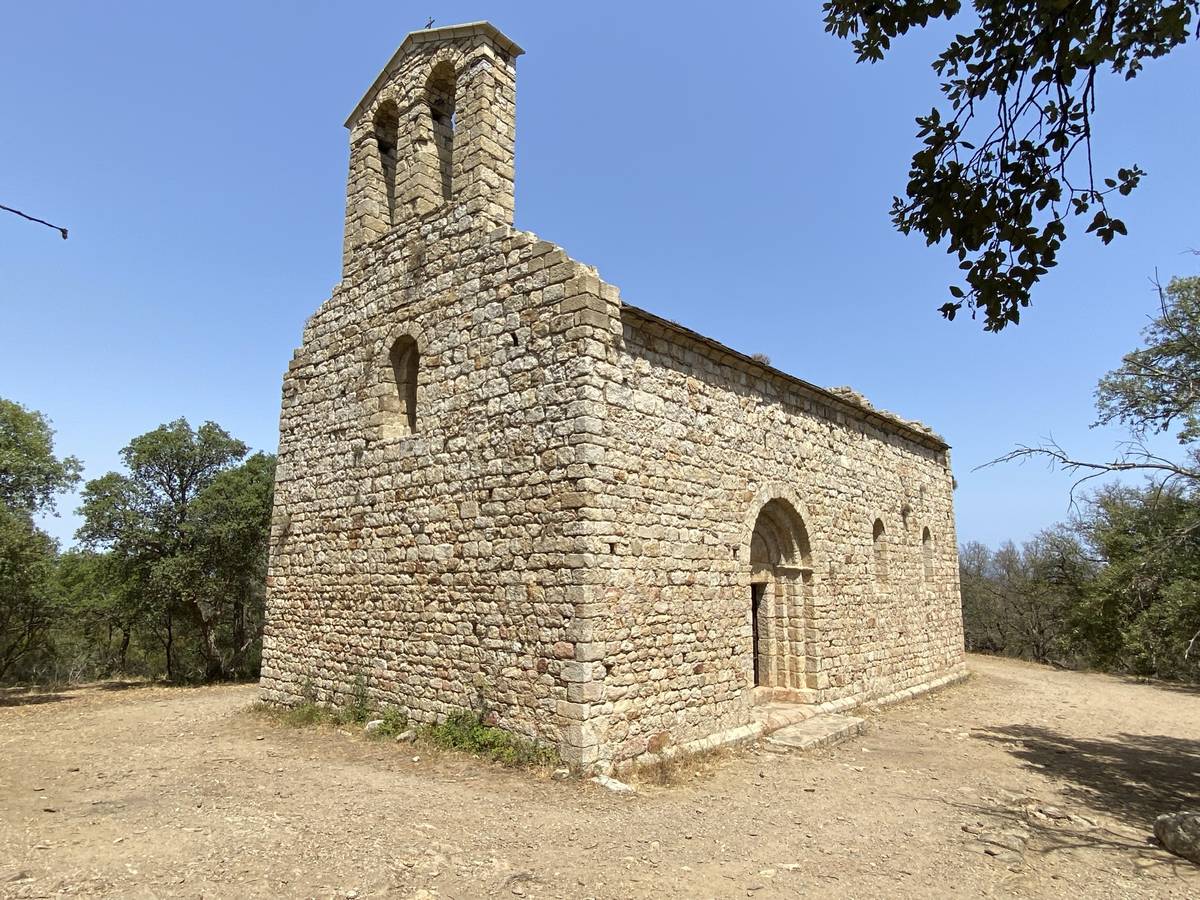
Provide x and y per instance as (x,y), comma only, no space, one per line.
(696,442)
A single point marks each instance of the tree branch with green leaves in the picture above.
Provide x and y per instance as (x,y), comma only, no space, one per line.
(1009,162)
(1153,391)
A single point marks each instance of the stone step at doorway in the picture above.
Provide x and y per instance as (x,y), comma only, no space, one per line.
(819,731)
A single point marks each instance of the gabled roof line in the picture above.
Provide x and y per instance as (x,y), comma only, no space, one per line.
(448,32)
(921,435)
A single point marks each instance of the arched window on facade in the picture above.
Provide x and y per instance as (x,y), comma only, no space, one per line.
(879,551)
(405,359)
(439,90)
(387,134)
(927,552)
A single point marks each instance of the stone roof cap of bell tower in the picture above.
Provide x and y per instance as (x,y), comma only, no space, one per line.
(430,35)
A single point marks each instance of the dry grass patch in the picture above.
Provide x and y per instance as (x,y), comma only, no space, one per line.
(681,768)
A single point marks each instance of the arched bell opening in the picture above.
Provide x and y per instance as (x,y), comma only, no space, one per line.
(440,92)
(386,131)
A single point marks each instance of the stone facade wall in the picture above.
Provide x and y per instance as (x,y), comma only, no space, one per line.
(697,442)
(499,488)
(441,566)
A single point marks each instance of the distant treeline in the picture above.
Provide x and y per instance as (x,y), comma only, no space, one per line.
(1118,589)
(168,579)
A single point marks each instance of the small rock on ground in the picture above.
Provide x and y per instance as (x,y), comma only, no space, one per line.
(612,784)
(1180,833)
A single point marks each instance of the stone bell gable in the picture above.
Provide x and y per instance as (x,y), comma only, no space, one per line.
(501,488)
(434,135)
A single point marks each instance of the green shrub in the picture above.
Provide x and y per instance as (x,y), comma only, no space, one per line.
(463,731)
(358,710)
(395,721)
(466,731)
(306,713)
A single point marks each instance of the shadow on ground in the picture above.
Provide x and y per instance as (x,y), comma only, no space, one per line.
(131,685)
(28,698)
(1046,838)
(1131,777)
(1178,687)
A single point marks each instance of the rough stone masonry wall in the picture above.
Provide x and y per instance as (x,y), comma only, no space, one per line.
(696,442)
(467,73)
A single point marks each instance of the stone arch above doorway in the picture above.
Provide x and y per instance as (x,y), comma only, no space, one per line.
(769,493)
(780,537)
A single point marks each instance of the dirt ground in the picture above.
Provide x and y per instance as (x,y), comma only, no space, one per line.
(1024,781)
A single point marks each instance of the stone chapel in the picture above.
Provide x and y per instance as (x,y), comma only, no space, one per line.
(503,488)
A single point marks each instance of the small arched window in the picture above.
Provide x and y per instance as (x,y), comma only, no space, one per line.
(439,91)
(387,134)
(879,550)
(405,359)
(927,552)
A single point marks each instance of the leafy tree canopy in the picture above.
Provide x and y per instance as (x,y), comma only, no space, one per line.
(1158,385)
(30,473)
(30,476)
(1001,171)
(144,512)
(1143,609)
(1138,609)
(26,563)
(171,575)
(189,528)
(231,517)
(1118,588)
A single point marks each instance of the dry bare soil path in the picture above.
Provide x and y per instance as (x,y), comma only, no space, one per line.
(165,792)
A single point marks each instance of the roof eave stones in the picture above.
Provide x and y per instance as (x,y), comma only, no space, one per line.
(920,434)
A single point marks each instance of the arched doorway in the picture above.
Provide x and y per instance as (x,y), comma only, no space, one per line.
(780,597)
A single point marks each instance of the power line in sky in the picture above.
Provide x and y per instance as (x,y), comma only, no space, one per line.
(57,228)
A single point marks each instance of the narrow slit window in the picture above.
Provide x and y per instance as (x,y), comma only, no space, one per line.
(879,551)
(927,553)
(440,91)
(405,360)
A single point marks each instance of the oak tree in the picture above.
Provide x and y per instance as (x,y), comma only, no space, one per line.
(143,518)
(31,475)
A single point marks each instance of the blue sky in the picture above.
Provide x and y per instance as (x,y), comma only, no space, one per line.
(730,168)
